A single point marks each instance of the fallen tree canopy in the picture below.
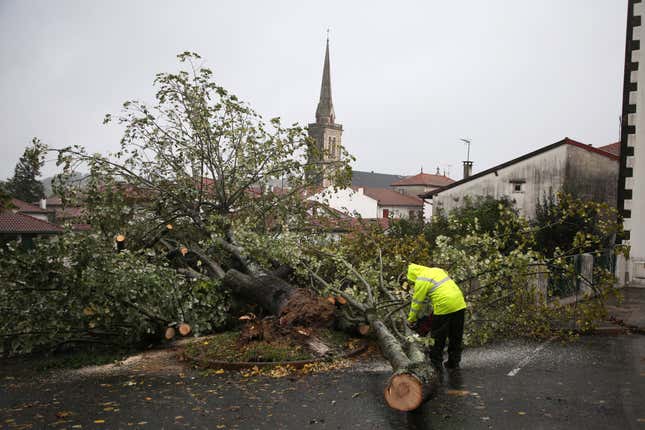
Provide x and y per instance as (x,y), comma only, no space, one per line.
(197,169)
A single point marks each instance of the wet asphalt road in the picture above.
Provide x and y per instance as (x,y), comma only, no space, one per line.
(595,383)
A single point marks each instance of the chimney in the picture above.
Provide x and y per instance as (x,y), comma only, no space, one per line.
(43,203)
(468,169)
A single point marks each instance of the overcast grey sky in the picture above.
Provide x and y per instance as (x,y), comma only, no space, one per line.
(408,77)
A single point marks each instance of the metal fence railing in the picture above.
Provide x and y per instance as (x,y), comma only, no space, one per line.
(564,283)
(570,282)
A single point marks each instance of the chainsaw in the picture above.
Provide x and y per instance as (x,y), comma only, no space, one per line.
(423,325)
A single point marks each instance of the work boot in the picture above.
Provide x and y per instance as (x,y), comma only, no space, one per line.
(451,366)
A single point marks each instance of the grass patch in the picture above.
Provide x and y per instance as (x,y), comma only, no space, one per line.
(225,347)
(333,338)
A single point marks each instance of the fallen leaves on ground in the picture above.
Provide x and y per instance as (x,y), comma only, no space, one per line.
(287,370)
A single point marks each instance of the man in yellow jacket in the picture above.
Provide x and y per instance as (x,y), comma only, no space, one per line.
(433,286)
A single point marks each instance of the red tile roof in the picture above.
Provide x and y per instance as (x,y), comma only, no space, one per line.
(612,148)
(15,223)
(387,197)
(347,224)
(424,179)
(27,207)
(54,201)
(71,212)
(81,227)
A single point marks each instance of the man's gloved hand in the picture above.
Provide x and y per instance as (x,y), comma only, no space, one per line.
(414,325)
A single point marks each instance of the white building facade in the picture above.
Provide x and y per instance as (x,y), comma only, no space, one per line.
(567,165)
(370,203)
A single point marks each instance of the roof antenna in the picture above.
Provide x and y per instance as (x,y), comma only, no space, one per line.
(327,34)
(422,169)
(468,165)
(467,142)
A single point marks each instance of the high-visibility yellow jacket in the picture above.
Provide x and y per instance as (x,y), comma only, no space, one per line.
(432,285)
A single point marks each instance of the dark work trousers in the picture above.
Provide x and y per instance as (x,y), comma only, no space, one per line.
(451,327)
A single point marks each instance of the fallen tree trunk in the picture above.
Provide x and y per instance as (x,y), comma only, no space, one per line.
(293,306)
(413,380)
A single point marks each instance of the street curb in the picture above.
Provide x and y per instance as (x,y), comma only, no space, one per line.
(629,327)
(611,331)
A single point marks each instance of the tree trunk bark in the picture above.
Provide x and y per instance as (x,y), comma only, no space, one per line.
(414,380)
(293,306)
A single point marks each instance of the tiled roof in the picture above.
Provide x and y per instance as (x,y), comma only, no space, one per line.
(424,179)
(81,227)
(387,197)
(612,148)
(14,223)
(72,212)
(348,224)
(54,201)
(27,207)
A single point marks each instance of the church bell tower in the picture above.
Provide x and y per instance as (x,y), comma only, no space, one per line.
(326,133)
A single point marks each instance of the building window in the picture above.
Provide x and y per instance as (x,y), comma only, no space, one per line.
(517,185)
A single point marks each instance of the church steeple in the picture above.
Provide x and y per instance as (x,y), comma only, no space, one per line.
(325,131)
(325,111)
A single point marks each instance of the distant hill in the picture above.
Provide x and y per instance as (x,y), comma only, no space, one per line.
(47,182)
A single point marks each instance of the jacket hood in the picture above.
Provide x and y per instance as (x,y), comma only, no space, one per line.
(414,271)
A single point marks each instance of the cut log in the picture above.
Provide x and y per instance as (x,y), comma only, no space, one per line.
(341,300)
(331,300)
(413,380)
(184,329)
(404,392)
(294,306)
(169,333)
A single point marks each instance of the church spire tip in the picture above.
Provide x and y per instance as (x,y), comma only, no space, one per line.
(325,111)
